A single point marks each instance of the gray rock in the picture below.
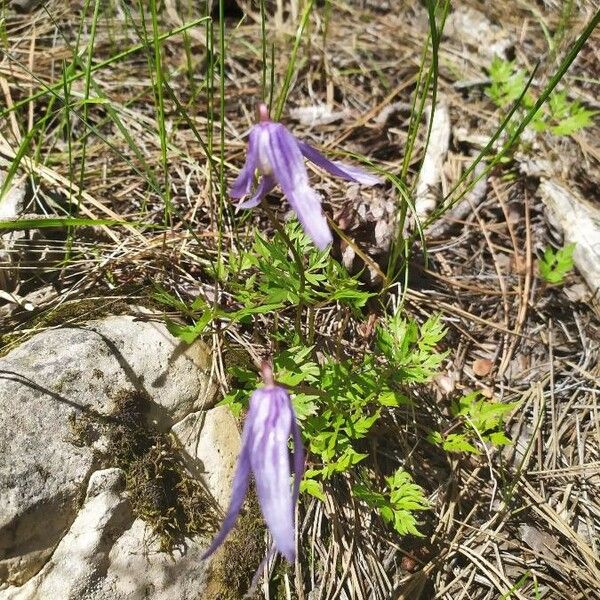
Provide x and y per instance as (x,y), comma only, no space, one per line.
(77,371)
(139,571)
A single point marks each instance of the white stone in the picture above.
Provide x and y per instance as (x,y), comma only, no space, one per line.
(109,555)
(81,556)
(211,443)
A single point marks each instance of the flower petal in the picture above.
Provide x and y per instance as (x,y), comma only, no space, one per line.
(265,185)
(238,493)
(338,169)
(281,150)
(271,465)
(243,184)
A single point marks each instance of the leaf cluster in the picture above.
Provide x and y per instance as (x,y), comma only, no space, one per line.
(340,401)
(555,265)
(479,420)
(398,503)
(270,278)
(559,116)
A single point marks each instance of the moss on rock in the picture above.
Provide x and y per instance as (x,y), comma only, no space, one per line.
(161,491)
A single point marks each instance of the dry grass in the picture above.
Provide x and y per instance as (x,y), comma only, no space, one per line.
(521,523)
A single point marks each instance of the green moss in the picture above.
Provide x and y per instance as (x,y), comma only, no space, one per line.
(84,429)
(235,564)
(160,489)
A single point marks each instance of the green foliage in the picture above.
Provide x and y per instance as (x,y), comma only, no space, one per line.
(398,502)
(559,116)
(453,442)
(556,264)
(198,312)
(506,82)
(279,280)
(479,420)
(269,279)
(410,349)
(340,401)
(565,117)
(337,400)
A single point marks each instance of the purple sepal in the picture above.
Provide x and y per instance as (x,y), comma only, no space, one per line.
(269,457)
(338,169)
(279,157)
(281,151)
(245,180)
(265,185)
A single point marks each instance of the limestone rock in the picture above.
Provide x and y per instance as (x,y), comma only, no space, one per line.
(474,29)
(579,221)
(211,444)
(139,571)
(77,371)
(81,556)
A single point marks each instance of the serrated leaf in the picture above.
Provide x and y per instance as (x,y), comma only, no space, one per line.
(457,442)
(312,487)
(498,438)
(393,398)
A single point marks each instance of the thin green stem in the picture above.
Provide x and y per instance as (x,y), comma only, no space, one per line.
(292,62)
(299,265)
(162,130)
(86,93)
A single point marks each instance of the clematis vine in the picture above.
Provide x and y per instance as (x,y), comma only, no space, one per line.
(279,158)
(269,423)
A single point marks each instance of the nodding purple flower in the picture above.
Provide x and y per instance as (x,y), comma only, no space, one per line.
(269,423)
(278,156)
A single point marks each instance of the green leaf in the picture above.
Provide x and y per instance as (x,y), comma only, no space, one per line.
(498,438)
(410,348)
(507,82)
(397,505)
(393,398)
(406,523)
(312,487)
(573,123)
(190,333)
(458,442)
(555,265)
(372,498)
(305,405)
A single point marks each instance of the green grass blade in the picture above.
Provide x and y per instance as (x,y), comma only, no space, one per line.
(54,222)
(292,62)
(162,130)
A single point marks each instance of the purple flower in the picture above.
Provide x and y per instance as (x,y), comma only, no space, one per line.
(278,156)
(269,423)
